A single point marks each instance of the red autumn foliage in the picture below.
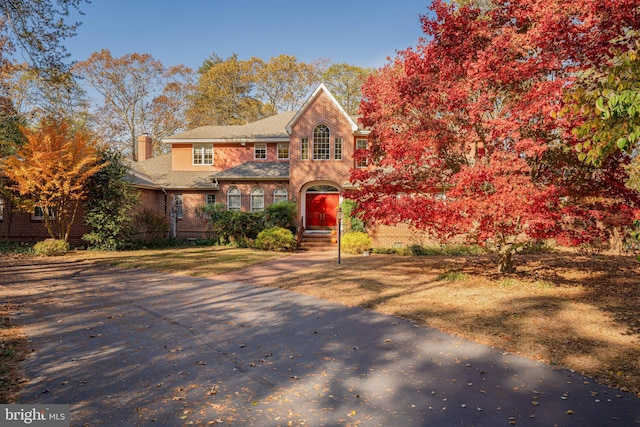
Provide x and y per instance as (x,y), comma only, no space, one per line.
(465,138)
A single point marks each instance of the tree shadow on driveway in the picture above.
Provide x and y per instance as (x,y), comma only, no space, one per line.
(132,347)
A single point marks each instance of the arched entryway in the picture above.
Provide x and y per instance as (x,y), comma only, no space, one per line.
(321,207)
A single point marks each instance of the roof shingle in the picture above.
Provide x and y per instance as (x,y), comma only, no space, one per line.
(270,127)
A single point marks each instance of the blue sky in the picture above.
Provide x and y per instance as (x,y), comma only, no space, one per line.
(361,33)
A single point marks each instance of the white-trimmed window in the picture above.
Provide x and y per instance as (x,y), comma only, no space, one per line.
(257,199)
(202,154)
(234,199)
(210,199)
(280,194)
(337,148)
(361,144)
(38,214)
(179,205)
(321,143)
(304,149)
(283,150)
(260,151)
(1,209)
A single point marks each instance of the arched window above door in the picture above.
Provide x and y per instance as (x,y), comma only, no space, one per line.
(323,189)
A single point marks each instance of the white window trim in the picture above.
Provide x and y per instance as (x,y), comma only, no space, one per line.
(179,199)
(335,140)
(255,151)
(35,217)
(278,150)
(253,193)
(238,195)
(285,194)
(328,142)
(366,146)
(202,148)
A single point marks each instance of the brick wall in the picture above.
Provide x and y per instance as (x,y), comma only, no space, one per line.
(21,227)
(194,225)
(400,235)
(225,156)
(321,110)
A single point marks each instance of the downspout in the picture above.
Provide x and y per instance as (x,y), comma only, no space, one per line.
(173,226)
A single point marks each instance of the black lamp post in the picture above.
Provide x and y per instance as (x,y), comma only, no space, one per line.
(339,230)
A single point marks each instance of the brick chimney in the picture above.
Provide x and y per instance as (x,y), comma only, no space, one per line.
(145,147)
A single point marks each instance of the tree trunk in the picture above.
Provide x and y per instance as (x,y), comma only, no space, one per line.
(505,261)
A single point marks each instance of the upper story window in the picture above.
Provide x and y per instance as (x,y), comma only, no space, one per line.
(361,144)
(260,151)
(280,195)
(257,199)
(337,148)
(202,154)
(304,149)
(234,201)
(283,150)
(321,143)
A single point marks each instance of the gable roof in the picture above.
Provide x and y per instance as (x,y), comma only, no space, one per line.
(264,130)
(321,88)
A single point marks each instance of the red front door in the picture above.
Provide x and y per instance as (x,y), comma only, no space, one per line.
(322,209)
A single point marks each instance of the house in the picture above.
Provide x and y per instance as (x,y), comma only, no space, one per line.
(304,156)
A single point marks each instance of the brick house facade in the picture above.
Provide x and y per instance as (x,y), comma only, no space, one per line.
(29,227)
(304,156)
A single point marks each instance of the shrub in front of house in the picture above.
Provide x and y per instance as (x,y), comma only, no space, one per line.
(276,239)
(281,214)
(355,242)
(14,248)
(238,228)
(351,222)
(51,247)
(152,226)
(108,209)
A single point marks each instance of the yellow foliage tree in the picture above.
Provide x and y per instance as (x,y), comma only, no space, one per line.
(50,172)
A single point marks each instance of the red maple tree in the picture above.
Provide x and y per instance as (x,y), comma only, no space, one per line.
(465,137)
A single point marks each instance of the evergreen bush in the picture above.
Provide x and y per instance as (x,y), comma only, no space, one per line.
(281,214)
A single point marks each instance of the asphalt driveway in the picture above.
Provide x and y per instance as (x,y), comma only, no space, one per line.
(136,348)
